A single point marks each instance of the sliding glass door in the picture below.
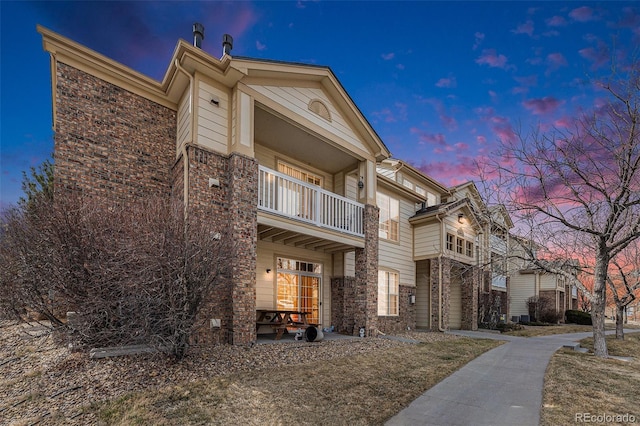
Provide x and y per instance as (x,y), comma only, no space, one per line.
(299,287)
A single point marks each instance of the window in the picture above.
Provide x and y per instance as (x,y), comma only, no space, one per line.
(389,217)
(300,174)
(387,293)
(469,251)
(407,184)
(450,239)
(459,245)
(298,287)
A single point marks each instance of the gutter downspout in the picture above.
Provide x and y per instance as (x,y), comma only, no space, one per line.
(442,242)
(185,155)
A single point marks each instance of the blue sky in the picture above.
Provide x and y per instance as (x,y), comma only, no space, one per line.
(440,82)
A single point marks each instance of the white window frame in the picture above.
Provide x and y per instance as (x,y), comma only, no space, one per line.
(388,225)
(388,293)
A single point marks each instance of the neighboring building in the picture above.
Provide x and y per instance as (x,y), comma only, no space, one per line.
(528,280)
(322,218)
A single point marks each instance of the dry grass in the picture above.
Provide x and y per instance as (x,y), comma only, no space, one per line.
(365,389)
(581,383)
(533,331)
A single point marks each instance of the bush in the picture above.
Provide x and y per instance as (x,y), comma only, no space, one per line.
(578,317)
(510,326)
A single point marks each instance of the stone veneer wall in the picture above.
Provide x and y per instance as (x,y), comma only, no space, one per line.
(446,280)
(234,206)
(110,142)
(469,294)
(365,312)
(406,318)
(342,304)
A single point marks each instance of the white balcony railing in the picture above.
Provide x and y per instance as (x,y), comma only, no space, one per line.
(284,195)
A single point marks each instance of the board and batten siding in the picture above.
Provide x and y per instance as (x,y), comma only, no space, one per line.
(266,282)
(296,99)
(213,120)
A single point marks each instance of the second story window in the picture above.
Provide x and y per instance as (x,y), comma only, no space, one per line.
(299,173)
(469,249)
(450,240)
(389,217)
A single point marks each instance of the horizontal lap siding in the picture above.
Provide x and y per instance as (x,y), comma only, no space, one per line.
(213,121)
(427,240)
(297,100)
(398,256)
(184,121)
(522,287)
(423,287)
(266,283)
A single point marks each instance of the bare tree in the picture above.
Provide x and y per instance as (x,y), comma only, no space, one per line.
(624,283)
(135,273)
(576,191)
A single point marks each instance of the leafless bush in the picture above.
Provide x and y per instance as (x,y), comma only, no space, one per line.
(542,309)
(138,273)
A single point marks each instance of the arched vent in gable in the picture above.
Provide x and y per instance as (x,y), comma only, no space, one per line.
(318,107)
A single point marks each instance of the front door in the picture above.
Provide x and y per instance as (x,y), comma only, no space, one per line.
(299,286)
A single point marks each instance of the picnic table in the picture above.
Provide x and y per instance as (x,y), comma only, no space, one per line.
(280,320)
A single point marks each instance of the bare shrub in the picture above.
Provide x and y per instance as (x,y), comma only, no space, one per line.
(135,273)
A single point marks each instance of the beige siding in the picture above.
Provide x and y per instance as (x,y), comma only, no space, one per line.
(266,283)
(427,240)
(452,226)
(269,158)
(398,256)
(548,282)
(213,122)
(184,121)
(522,287)
(297,100)
(422,293)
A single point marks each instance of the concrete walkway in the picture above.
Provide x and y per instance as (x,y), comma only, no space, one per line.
(501,387)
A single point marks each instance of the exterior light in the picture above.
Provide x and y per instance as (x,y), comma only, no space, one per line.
(460,217)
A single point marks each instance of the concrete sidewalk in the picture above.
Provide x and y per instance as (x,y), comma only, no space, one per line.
(501,387)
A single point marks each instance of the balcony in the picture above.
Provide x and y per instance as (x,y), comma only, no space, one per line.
(295,199)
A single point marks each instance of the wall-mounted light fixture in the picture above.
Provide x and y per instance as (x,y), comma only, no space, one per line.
(412,299)
(361,182)
(268,270)
(460,217)
(215,101)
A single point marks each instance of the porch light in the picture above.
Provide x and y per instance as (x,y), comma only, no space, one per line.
(412,299)
(268,270)
(460,218)
(361,183)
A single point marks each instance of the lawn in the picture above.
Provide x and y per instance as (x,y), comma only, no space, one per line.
(366,389)
(580,387)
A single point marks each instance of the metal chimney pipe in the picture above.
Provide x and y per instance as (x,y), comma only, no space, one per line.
(198,35)
(227,44)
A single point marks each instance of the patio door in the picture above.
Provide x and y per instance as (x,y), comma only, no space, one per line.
(298,287)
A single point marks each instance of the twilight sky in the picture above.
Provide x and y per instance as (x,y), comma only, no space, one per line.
(440,82)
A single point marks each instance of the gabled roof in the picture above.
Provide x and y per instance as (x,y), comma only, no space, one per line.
(227,70)
(445,209)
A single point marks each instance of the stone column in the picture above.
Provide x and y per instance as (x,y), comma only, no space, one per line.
(243,228)
(366,290)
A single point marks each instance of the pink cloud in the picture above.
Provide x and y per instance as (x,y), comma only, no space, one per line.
(399,113)
(481,140)
(556,60)
(494,60)
(582,14)
(556,21)
(542,106)
(429,138)
(525,28)
(564,123)
(479,38)
(598,56)
(450,173)
(447,82)
(388,56)
(461,146)
(503,129)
